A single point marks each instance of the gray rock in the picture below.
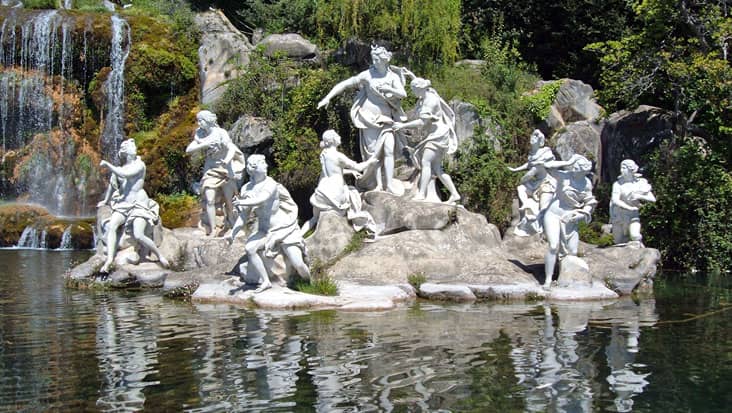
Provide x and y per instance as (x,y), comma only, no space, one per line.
(250,132)
(467,119)
(574,273)
(473,63)
(401,214)
(623,268)
(574,102)
(581,138)
(290,45)
(223,51)
(331,236)
(446,292)
(634,135)
(355,53)
(109,5)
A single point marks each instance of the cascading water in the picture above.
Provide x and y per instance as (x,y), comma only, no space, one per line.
(29,238)
(113,125)
(66,239)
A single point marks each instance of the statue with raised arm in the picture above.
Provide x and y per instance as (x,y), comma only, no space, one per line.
(536,187)
(376,106)
(572,203)
(628,192)
(132,209)
(332,192)
(437,122)
(277,229)
(221,171)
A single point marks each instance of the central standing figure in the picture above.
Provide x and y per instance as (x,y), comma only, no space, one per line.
(375,108)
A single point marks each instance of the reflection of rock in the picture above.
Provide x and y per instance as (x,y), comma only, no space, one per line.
(223,50)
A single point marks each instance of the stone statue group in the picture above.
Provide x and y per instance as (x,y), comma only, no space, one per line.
(555,195)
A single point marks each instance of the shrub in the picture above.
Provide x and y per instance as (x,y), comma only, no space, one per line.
(178,210)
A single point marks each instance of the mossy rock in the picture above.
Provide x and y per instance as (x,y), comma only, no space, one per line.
(14,218)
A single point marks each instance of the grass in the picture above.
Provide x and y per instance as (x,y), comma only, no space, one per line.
(321,285)
(416,279)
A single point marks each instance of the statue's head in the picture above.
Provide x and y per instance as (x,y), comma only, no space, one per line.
(207,116)
(330,138)
(380,54)
(628,166)
(537,137)
(419,84)
(128,148)
(581,164)
(256,162)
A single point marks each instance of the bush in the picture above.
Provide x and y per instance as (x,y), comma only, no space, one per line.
(178,210)
(690,221)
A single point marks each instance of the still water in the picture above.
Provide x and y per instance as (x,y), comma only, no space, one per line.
(71,350)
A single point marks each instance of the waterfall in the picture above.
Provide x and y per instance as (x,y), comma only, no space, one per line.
(113,127)
(43,240)
(66,239)
(29,238)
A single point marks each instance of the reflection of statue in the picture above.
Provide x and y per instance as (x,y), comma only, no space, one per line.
(377,105)
(131,207)
(223,167)
(572,202)
(332,193)
(628,192)
(536,188)
(277,229)
(438,122)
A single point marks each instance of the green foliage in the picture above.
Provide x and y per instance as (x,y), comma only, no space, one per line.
(592,234)
(416,279)
(278,16)
(40,4)
(176,210)
(322,285)
(690,221)
(539,103)
(356,242)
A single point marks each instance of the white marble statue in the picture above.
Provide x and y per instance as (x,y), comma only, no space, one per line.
(376,106)
(437,122)
(221,171)
(132,210)
(536,187)
(572,203)
(628,192)
(277,229)
(332,192)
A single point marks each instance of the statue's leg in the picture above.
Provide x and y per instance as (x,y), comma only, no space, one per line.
(389,162)
(255,265)
(552,229)
(138,231)
(293,253)
(115,221)
(620,230)
(311,223)
(445,179)
(634,230)
(425,173)
(209,201)
(228,190)
(572,234)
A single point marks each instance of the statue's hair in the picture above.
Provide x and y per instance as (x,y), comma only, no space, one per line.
(420,83)
(381,52)
(128,147)
(539,133)
(256,158)
(207,116)
(582,164)
(630,164)
(330,138)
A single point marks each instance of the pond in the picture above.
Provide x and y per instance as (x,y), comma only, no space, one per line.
(71,350)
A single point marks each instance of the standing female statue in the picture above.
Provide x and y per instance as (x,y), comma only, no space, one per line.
(376,106)
(572,202)
(437,121)
(221,171)
(628,192)
(536,187)
(332,193)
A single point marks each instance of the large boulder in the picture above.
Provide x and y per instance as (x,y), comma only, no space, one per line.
(223,51)
(250,133)
(581,138)
(332,235)
(290,45)
(574,102)
(468,120)
(634,135)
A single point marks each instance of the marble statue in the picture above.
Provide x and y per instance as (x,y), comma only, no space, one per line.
(437,121)
(132,210)
(572,202)
(332,192)
(628,192)
(536,187)
(375,108)
(221,171)
(277,229)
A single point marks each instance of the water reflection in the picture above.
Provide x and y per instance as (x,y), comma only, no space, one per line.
(77,350)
